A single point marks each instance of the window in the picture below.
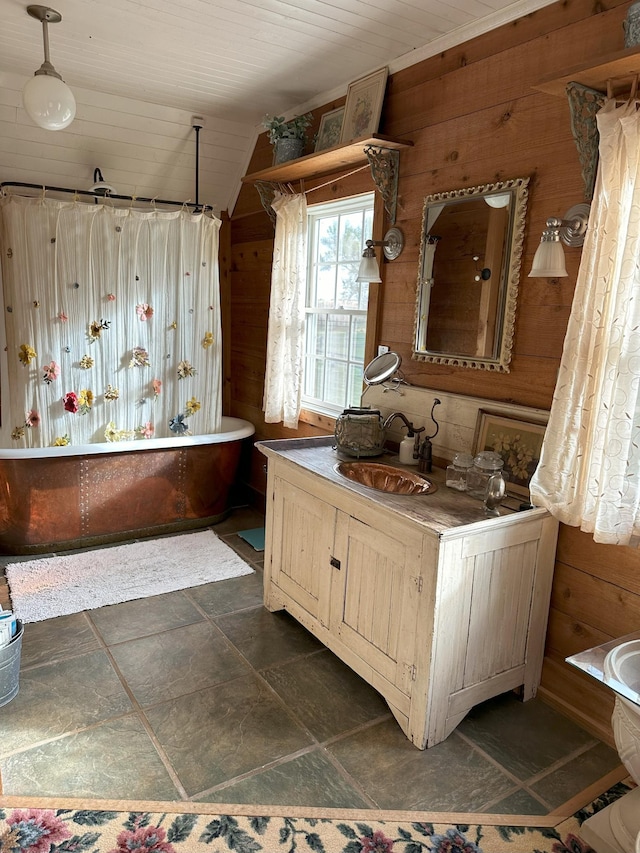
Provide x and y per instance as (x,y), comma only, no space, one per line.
(336,304)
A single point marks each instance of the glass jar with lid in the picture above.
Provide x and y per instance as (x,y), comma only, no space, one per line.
(485,465)
(456,476)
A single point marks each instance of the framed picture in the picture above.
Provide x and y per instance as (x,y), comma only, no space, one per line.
(330,129)
(518,442)
(364,105)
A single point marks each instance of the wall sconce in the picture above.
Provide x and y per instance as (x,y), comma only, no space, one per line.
(548,261)
(48,100)
(100,186)
(392,246)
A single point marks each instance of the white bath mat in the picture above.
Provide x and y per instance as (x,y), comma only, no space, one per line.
(56,586)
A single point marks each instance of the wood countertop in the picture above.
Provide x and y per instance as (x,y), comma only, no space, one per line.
(445,512)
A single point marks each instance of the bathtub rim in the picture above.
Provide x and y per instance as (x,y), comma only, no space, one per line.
(232,429)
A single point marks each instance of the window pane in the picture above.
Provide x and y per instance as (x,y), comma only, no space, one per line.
(325,289)
(314,378)
(338,336)
(348,295)
(328,240)
(355,384)
(358,334)
(316,330)
(364,295)
(350,236)
(336,382)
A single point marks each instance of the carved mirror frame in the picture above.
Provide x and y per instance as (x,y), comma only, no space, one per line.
(518,189)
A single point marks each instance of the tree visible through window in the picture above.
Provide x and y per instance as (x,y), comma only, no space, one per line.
(336,304)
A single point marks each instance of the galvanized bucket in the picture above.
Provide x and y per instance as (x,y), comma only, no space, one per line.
(287,148)
(10,667)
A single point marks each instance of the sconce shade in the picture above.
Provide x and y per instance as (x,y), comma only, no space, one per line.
(392,246)
(369,270)
(49,102)
(548,261)
(498,201)
(47,99)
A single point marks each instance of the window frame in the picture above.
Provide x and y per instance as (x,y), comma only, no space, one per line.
(316,412)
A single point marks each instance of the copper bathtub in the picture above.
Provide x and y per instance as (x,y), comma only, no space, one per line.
(70,497)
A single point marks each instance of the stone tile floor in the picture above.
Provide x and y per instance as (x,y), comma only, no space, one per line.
(204,695)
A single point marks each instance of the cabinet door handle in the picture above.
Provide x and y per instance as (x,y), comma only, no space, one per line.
(335,562)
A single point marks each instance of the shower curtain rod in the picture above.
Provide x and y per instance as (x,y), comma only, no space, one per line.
(203,208)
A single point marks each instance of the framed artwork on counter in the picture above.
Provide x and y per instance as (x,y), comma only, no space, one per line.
(518,443)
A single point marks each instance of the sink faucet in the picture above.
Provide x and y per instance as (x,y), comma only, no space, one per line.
(411,430)
(402,417)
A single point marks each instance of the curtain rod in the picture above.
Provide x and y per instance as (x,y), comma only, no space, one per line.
(199,207)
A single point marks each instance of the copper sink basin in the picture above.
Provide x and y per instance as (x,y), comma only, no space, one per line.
(385,478)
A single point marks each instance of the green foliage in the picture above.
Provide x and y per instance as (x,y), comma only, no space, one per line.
(92,817)
(295,128)
(181,827)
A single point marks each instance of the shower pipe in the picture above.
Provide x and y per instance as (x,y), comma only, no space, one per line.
(199,208)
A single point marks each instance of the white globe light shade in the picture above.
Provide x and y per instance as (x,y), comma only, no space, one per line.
(49,102)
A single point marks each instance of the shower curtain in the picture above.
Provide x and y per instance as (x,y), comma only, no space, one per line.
(111,323)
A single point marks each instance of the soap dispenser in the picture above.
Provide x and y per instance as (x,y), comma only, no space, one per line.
(407,448)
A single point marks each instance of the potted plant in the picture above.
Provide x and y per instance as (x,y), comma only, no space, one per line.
(287,137)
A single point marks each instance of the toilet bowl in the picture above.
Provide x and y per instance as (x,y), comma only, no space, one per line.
(622,673)
(616,828)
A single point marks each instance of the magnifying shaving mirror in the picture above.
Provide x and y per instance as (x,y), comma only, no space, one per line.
(385,370)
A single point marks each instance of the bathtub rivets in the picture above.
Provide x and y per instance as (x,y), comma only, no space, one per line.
(204,263)
(53,239)
(9,309)
(36,303)
(137,278)
(76,285)
(67,349)
(190,310)
(9,253)
(118,229)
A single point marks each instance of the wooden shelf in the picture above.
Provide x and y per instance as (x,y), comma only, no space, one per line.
(617,68)
(325,162)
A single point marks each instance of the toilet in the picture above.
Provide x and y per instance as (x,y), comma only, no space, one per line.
(616,829)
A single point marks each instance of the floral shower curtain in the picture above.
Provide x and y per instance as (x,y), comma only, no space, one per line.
(589,471)
(112,323)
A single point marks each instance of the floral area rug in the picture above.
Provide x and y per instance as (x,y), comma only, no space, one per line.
(198,827)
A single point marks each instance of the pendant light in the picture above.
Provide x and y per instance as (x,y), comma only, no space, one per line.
(48,100)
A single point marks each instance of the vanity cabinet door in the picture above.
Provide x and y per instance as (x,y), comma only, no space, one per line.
(301,550)
(375,596)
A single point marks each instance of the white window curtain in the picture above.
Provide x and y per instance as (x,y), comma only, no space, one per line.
(111,322)
(589,471)
(285,337)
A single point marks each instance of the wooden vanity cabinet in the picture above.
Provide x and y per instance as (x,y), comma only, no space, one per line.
(435,621)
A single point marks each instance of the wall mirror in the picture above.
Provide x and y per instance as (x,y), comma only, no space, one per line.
(470,253)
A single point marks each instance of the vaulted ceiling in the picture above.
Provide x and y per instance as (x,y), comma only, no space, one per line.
(235,60)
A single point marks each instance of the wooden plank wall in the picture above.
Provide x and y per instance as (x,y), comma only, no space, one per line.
(474,117)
